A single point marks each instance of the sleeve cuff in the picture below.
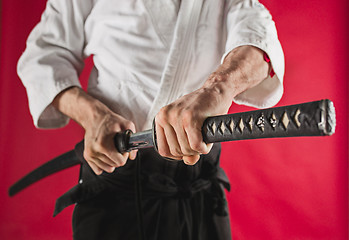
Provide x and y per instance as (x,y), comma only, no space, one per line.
(44,114)
(269,92)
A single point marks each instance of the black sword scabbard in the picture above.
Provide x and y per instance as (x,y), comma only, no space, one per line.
(57,164)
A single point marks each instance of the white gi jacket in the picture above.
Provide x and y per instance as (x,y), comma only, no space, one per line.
(146,53)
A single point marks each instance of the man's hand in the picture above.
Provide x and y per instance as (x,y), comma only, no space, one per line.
(178,125)
(100,152)
(100,124)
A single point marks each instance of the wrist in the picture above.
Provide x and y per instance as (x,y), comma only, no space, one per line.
(81,107)
(90,110)
(220,85)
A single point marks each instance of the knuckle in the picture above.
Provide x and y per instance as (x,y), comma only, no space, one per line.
(122,163)
(164,153)
(114,162)
(187,115)
(110,162)
(162,115)
(98,147)
(95,168)
(115,165)
(190,121)
(130,125)
(114,157)
(176,152)
(109,169)
(188,151)
(199,147)
(174,117)
(88,154)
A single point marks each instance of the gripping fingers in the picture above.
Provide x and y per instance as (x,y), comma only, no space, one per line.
(100,162)
(163,147)
(172,142)
(114,158)
(184,143)
(102,165)
(95,168)
(196,141)
(133,155)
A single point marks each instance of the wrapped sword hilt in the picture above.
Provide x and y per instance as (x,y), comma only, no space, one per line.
(306,119)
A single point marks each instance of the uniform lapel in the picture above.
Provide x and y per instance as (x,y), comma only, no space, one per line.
(179,55)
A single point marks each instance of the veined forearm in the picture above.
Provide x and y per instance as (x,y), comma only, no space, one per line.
(243,68)
(79,106)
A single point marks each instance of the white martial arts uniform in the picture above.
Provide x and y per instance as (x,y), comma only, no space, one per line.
(146,53)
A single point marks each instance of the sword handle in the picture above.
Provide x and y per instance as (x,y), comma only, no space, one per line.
(306,119)
(128,141)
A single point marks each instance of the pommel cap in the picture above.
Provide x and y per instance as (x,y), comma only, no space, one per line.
(328,123)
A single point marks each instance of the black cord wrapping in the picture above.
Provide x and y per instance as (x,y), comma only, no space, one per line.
(138,190)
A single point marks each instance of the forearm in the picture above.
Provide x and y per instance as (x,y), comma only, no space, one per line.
(79,106)
(243,68)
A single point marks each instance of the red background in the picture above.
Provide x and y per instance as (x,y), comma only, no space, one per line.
(281,188)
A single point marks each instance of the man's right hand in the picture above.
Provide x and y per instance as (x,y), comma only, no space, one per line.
(100,124)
